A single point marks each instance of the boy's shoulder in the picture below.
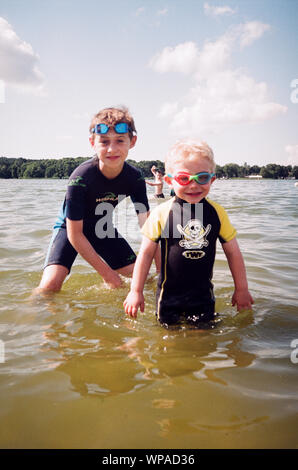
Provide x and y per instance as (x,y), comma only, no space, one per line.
(162,206)
(84,174)
(157,220)
(213,203)
(162,210)
(89,165)
(130,170)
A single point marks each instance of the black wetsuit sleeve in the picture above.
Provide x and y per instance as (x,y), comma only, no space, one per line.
(139,195)
(76,198)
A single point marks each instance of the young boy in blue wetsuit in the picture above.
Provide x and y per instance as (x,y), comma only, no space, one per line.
(187,227)
(94,189)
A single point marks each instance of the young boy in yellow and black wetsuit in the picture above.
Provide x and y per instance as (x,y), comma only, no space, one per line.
(187,227)
(85,224)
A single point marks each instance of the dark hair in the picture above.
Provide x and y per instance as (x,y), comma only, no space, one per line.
(112,116)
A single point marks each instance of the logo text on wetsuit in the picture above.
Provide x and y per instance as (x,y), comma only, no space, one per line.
(194,238)
(77,182)
(107,197)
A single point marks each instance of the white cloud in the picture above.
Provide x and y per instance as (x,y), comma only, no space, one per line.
(251,31)
(292,151)
(218,10)
(168,109)
(214,57)
(226,98)
(19,63)
(181,58)
(220,95)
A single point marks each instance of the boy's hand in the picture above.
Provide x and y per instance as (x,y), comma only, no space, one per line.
(242,299)
(112,279)
(133,302)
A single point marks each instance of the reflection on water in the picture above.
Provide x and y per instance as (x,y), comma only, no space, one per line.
(78,373)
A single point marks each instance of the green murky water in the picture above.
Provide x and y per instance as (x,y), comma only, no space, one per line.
(76,373)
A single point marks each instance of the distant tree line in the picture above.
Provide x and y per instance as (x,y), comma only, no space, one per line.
(62,168)
(271,170)
(50,168)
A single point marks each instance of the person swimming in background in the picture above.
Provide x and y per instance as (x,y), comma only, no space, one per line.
(158,182)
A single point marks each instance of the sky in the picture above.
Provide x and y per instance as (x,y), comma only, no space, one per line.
(222,71)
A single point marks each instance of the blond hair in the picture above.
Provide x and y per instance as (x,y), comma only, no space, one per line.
(187,149)
(112,116)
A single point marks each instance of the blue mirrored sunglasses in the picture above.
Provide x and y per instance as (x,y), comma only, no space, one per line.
(120,128)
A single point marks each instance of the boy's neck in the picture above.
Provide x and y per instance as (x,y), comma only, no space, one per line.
(183,201)
(110,173)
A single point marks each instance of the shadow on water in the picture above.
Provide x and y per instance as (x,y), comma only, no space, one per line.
(86,335)
(79,345)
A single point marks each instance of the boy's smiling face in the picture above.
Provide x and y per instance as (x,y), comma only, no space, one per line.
(112,150)
(193,192)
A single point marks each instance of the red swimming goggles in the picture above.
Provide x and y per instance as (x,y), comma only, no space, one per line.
(184,178)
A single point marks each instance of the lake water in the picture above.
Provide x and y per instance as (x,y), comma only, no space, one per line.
(75,372)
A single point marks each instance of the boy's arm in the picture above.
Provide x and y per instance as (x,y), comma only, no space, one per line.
(142,216)
(135,298)
(83,246)
(241,296)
